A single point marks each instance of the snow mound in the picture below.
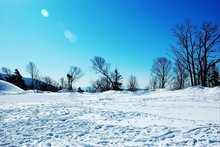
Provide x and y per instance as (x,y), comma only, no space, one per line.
(66,91)
(114,92)
(195,91)
(35,91)
(8,88)
(200,90)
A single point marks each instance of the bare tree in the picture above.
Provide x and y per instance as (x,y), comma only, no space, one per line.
(37,81)
(48,84)
(48,80)
(180,75)
(196,48)
(99,65)
(7,72)
(161,70)
(63,83)
(186,48)
(208,44)
(69,83)
(31,68)
(153,82)
(102,84)
(73,74)
(132,83)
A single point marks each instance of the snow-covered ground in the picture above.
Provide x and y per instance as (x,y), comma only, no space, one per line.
(187,117)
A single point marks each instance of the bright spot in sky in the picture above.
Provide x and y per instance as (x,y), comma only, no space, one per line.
(44,13)
(70,36)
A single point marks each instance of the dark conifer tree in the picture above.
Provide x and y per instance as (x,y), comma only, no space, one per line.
(17,79)
(80,90)
(214,79)
(116,77)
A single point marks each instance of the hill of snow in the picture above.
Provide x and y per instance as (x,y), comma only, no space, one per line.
(27,81)
(188,117)
(8,88)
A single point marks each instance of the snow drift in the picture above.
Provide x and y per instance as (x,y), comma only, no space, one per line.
(8,88)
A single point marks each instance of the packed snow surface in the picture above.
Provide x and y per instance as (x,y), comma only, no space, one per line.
(187,117)
(8,88)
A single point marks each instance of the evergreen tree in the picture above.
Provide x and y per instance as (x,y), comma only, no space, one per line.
(17,79)
(80,90)
(116,77)
(214,79)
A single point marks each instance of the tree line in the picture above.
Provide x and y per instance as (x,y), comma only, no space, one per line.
(195,55)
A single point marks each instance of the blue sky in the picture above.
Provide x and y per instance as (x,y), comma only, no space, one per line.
(127,33)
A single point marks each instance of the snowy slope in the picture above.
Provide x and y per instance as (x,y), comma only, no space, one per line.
(187,117)
(27,81)
(6,88)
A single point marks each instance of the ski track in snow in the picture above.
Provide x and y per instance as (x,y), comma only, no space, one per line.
(109,119)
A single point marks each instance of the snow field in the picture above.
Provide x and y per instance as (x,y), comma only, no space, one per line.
(187,117)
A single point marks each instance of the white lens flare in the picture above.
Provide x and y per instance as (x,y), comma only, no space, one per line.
(44,12)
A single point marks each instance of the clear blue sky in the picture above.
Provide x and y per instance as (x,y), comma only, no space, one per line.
(127,33)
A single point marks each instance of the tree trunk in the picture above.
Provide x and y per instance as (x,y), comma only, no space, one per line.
(194,72)
(32,82)
(190,72)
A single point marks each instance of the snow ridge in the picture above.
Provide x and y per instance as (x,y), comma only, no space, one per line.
(8,88)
